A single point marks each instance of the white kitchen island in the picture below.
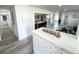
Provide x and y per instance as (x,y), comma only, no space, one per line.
(45,43)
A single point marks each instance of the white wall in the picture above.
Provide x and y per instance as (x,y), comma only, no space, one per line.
(10,20)
(13,18)
(71,21)
(25,19)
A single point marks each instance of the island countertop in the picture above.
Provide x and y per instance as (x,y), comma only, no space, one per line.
(66,41)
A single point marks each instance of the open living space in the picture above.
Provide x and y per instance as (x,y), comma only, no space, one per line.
(39,29)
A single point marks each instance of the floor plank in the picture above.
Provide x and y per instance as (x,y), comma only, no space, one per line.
(11,45)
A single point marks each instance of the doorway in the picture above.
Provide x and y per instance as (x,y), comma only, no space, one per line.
(7,35)
(40,20)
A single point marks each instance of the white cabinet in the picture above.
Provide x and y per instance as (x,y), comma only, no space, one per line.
(42,46)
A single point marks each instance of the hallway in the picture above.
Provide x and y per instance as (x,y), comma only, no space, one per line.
(11,45)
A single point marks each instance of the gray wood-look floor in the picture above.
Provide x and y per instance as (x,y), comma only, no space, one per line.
(11,45)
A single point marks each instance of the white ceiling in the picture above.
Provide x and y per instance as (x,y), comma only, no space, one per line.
(49,7)
(58,8)
(6,7)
